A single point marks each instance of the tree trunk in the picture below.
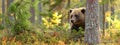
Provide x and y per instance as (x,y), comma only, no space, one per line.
(3,11)
(92,34)
(8,13)
(68,4)
(8,4)
(105,9)
(3,6)
(40,10)
(32,10)
(101,17)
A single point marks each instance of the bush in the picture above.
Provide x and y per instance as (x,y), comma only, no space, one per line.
(21,15)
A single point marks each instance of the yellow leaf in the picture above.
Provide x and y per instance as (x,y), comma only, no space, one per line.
(108,19)
(107,14)
(55,14)
(44,20)
(60,16)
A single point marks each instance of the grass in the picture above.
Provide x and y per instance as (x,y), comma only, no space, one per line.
(38,37)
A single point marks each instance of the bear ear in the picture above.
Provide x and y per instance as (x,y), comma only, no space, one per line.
(83,11)
(70,10)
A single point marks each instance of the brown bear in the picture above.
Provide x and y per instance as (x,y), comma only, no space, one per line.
(77,18)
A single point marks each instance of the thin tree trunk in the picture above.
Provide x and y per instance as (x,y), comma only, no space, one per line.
(101,12)
(32,10)
(68,7)
(8,4)
(103,20)
(105,24)
(92,33)
(68,3)
(8,13)
(3,11)
(40,10)
(3,6)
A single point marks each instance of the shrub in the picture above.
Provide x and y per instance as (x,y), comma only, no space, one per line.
(21,14)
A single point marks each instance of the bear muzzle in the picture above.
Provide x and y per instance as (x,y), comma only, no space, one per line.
(72,21)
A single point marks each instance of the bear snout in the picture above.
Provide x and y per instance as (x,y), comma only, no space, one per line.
(72,21)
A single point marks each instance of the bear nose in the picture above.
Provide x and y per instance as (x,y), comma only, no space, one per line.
(72,21)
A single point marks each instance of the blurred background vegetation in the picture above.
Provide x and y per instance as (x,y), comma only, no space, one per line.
(44,22)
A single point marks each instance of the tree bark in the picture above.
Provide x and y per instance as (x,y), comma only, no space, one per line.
(40,10)
(68,3)
(3,6)
(8,13)
(32,10)
(8,4)
(92,33)
(3,11)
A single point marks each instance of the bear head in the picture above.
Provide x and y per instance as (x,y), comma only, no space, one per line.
(77,18)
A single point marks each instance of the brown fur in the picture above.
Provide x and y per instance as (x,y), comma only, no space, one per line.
(77,18)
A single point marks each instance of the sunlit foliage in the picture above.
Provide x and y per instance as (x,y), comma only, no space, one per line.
(55,20)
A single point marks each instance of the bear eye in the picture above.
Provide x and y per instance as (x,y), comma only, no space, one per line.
(76,15)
